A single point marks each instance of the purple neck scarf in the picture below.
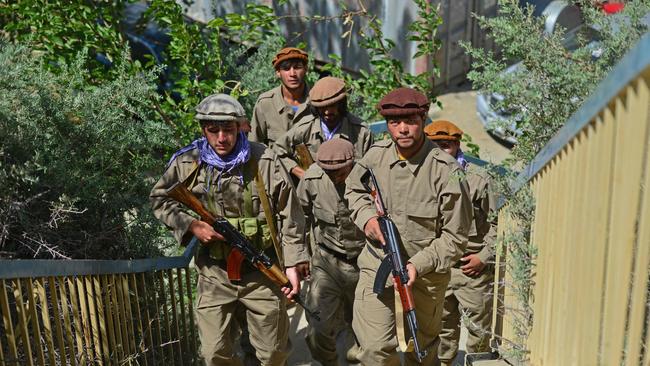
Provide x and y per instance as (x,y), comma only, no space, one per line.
(460,157)
(326,131)
(240,154)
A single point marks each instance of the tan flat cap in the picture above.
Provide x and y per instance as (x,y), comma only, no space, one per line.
(327,91)
(335,154)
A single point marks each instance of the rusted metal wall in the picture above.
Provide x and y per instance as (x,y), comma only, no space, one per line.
(324,38)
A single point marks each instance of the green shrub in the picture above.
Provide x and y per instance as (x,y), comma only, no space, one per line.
(76,159)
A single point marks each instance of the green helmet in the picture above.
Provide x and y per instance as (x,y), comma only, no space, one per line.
(220,107)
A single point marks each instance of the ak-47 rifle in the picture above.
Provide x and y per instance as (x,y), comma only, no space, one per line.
(241,247)
(393,262)
(304,156)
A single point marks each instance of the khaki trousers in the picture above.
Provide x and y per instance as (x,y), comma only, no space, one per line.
(473,297)
(264,307)
(332,293)
(374,319)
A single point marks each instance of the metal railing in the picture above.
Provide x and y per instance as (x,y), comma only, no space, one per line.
(97,312)
(591,228)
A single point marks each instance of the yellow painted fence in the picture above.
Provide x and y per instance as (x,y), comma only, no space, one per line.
(591,228)
(84,312)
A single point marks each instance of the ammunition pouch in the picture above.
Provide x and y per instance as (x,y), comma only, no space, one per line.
(255,230)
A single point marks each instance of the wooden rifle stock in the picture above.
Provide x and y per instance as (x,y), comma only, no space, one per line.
(259,260)
(304,156)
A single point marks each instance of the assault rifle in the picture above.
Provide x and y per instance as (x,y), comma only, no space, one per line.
(241,247)
(393,262)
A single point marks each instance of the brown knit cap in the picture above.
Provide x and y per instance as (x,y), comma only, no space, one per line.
(327,91)
(402,102)
(443,130)
(335,154)
(289,53)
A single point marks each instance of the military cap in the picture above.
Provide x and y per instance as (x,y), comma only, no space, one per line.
(220,107)
(443,130)
(289,53)
(402,102)
(335,154)
(327,91)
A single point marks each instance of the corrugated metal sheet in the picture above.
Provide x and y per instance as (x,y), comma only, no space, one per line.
(324,38)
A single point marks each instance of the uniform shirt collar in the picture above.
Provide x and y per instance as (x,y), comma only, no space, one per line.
(280,104)
(343,129)
(414,162)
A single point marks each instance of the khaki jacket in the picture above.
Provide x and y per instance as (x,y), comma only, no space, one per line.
(483,231)
(324,203)
(308,131)
(427,198)
(272,117)
(227,200)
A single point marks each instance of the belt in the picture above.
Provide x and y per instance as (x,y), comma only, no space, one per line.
(337,255)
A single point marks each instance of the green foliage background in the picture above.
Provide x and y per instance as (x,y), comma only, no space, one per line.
(74,160)
(99,134)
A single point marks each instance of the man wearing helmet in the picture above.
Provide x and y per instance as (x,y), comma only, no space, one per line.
(469,290)
(277,109)
(424,192)
(328,118)
(222,169)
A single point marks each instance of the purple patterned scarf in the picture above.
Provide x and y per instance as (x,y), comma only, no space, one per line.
(326,131)
(460,157)
(240,154)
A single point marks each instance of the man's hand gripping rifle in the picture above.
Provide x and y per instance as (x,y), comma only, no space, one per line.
(393,262)
(241,247)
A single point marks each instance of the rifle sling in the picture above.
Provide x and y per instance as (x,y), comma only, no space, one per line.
(268,213)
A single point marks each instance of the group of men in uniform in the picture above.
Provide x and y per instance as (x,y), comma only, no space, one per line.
(258,181)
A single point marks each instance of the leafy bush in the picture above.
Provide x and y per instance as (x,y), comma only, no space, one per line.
(541,95)
(76,159)
(553,82)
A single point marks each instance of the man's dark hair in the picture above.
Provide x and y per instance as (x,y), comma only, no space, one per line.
(292,61)
(342,104)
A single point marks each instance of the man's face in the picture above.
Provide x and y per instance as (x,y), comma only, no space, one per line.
(338,176)
(406,131)
(222,136)
(451,147)
(331,114)
(291,73)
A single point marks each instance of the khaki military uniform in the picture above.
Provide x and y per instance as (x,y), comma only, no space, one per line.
(308,131)
(428,199)
(334,269)
(218,297)
(272,117)
(472,295)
